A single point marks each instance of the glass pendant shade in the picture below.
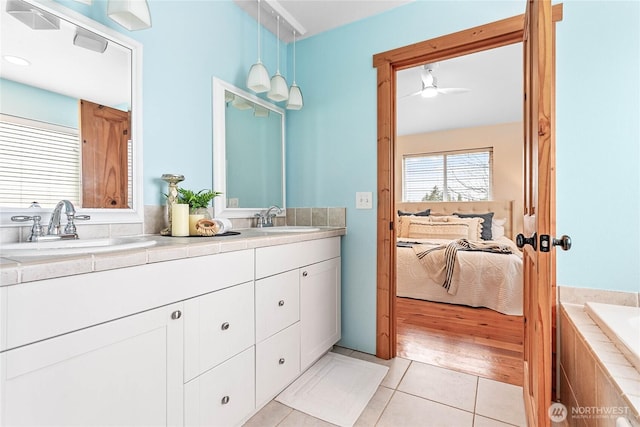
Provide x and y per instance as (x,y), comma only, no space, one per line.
(295,101)
(258,78)
(279,89)
(131,14)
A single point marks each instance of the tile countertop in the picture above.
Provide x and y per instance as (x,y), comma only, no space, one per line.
(15,270)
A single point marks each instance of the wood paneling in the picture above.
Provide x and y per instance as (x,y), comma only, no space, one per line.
(477,341)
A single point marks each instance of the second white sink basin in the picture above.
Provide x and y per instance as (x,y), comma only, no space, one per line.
(70,247)
(289,229)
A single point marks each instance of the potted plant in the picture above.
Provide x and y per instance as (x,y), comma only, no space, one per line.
(198,204)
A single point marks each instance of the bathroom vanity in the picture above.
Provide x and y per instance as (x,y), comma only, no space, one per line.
(190,331)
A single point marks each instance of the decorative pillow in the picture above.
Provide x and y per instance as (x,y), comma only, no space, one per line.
(475,227)
(405,221)
(497,228)
(486,226)
(425,212)
(437,230)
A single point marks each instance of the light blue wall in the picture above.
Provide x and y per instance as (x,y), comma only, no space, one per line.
(38,104)
(332,141)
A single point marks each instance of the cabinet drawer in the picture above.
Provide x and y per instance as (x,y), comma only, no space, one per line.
(277,303)
(222,396)
(217,326)
(277,363)
(272,260)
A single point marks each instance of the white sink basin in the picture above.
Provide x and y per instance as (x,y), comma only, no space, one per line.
(289,229)
(70,247)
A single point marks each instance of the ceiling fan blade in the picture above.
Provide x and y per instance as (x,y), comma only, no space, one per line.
(453,90)
(411,94)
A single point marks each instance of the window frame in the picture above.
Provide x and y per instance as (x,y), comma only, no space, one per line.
(445,154)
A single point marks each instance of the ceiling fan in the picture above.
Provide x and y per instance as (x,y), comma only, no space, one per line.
(430,87)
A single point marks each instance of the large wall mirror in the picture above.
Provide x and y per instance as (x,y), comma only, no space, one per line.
(248,152)
(70,114)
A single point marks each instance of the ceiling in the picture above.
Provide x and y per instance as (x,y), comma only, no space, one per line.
(494,77)
(58,65)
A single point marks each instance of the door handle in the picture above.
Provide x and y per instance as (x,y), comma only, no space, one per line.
(521,241)
(564,242)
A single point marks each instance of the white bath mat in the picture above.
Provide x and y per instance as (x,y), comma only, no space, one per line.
(335,389)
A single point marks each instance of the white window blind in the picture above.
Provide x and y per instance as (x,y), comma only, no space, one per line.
(450,176)
(39,162)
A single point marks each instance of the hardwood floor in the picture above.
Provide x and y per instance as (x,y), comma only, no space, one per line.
(477,341)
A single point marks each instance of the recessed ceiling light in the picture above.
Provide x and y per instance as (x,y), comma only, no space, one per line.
(16,60)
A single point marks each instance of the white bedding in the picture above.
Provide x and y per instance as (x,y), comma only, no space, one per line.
(483,279)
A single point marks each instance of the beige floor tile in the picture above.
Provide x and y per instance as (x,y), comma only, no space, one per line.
(481,421)
(405,410)
(500,401)
(300,419)
(269,416)
(397,367)
(376,405)
(441,385)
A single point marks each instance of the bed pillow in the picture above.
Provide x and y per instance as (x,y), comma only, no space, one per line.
(475,227)
(436,230)
(486,225)
(425,212)
(497,228)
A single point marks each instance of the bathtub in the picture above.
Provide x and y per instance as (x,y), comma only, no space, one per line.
(621,324)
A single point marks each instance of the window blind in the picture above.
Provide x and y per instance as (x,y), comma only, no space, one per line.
(38,162)
(449,176)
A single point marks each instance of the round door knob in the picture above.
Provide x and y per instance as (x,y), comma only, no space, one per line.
(280,303)
(305,274)
(176,315)
(281,361)
(225,400)
(564,242)
(521,241)
(225,326)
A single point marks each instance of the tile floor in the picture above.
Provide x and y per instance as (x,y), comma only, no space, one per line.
(415,394)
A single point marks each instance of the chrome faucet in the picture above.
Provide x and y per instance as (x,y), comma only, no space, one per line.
(265,218)
(54,221)
(52,232)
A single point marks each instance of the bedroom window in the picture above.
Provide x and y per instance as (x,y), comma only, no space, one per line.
(38,162)
(448,176)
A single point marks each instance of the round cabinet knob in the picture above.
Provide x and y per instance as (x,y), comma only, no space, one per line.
(225,400)
(225,326)
(280,303)
(305,274)
(281,361)
(176,315)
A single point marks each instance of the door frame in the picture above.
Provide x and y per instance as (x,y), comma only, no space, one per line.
(489,36)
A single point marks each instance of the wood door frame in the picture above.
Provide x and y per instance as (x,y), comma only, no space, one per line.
(493,35)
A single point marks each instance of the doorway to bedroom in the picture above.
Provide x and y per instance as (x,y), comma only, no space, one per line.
(458,150)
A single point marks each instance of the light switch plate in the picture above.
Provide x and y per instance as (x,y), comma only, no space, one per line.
(364,200)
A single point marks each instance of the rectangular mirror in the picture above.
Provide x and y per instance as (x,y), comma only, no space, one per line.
(70,114)
(248,152)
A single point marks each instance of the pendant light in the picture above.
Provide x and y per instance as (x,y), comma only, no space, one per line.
(295,101)
(279,90)
(258,78)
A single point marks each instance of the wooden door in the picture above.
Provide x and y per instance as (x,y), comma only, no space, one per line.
(105,134)
(539,210)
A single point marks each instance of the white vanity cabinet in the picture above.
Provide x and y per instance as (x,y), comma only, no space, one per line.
(297,310)
(197,341)
(124,372)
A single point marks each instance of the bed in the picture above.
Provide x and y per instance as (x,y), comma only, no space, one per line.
(478,278)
